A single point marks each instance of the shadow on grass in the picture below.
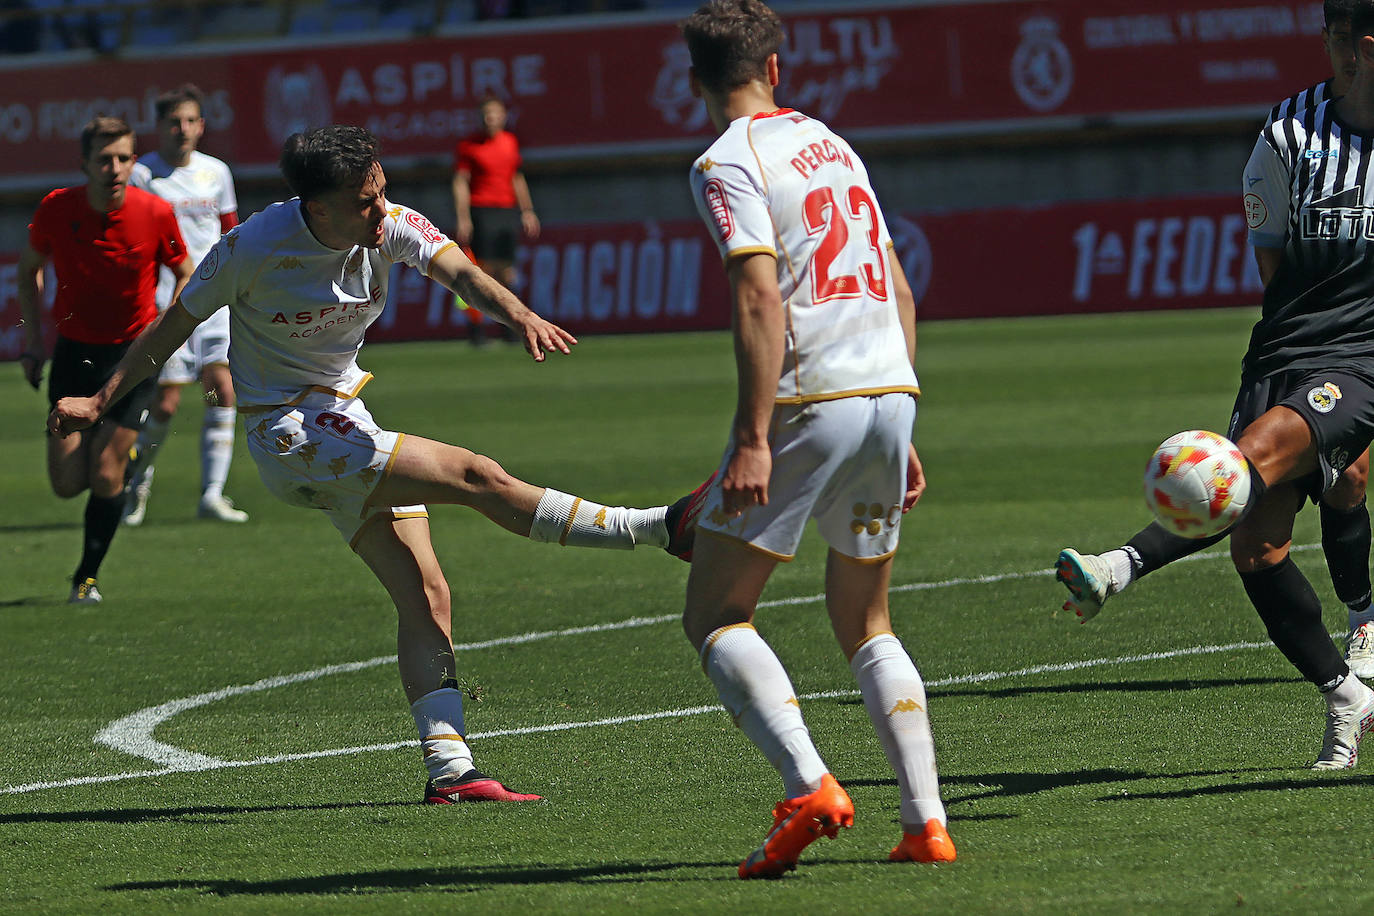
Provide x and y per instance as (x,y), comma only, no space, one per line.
(465,879)
(1313,781)
(197,814)
(34,601)
(1010,785)
(1160,686)
(32,527)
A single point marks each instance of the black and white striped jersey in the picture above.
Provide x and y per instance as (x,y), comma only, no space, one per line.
(1310,97)
(1308,192)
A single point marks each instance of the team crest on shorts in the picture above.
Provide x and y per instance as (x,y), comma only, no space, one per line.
(1324,398)
(1339,458)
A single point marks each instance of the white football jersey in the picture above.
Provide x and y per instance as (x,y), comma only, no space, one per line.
(200,192)
(297,309)
(785,184)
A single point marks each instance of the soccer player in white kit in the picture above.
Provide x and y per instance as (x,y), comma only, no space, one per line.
(201,192)
(303,280)
(825,336)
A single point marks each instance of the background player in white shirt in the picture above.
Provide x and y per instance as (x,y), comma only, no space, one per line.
(201,191)
(303,280)
(825,336)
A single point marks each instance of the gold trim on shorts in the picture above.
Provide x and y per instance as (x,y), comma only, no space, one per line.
(780,557)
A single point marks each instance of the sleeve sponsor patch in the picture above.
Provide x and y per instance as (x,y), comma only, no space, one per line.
(1256,213)
(719,207)
(210,264)
(427,230)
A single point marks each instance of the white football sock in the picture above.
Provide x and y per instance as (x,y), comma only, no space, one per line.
(755,690)
(439,719)
(216,449)
(1347,692)
(1123,571)
(561,518)
(895,697)
(150,439)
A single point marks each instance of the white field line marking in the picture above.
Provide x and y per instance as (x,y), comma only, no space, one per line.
(132,734)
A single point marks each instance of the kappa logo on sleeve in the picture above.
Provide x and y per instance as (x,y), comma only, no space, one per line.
(719,208)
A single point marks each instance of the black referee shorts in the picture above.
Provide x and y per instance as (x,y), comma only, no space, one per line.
(1337,405)
(80,369)
(495,233)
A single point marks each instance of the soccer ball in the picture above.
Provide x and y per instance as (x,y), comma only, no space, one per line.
(1197,483)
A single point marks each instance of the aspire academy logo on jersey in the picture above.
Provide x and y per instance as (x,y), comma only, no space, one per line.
(1342,216)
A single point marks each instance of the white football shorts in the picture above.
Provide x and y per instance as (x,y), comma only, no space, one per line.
(326,453)
(207,345)
(841,462)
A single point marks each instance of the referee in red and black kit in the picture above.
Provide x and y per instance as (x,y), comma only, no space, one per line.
(105,241)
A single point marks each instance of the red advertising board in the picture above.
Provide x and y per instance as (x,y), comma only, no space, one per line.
(594,89)
(1103,256)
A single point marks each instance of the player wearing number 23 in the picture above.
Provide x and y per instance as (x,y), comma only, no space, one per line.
(825,337)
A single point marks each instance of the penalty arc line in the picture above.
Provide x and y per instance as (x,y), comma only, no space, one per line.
(132,734)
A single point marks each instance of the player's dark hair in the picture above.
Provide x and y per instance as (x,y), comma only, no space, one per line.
(730,42)
(169,100)
(102,131)
(328,158)
(1361,19)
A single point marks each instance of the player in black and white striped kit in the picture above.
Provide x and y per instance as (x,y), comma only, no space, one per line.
(1345,520)
(1305,412)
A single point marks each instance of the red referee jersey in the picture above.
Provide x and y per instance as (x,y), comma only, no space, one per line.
(106,263)
(491,164)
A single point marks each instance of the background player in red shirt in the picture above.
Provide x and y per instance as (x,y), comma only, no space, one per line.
(105,241)
(492,200)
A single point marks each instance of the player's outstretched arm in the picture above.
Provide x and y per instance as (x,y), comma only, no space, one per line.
(458,274)
(147,354)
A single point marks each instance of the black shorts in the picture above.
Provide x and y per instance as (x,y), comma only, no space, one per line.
(495,233)
(1337,405)
(79,369)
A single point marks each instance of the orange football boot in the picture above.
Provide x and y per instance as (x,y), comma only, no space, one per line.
(933,845)
(797,823)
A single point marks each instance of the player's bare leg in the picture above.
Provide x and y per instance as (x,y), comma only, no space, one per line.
(217,444)
(1346,544)
(400,554)
(426,471)
(722,592)
(1280,444)
(94,460)
(895,697)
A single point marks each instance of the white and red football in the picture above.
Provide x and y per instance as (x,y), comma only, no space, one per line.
(1197,483)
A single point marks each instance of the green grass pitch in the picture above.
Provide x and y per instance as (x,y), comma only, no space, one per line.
(1153,760)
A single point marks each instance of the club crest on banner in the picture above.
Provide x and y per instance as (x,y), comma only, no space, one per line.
(1041,67)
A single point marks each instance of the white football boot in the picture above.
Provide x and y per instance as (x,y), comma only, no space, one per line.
(136,502)
(1345,726)
(221,509)
(1359,651)
(1089,580)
